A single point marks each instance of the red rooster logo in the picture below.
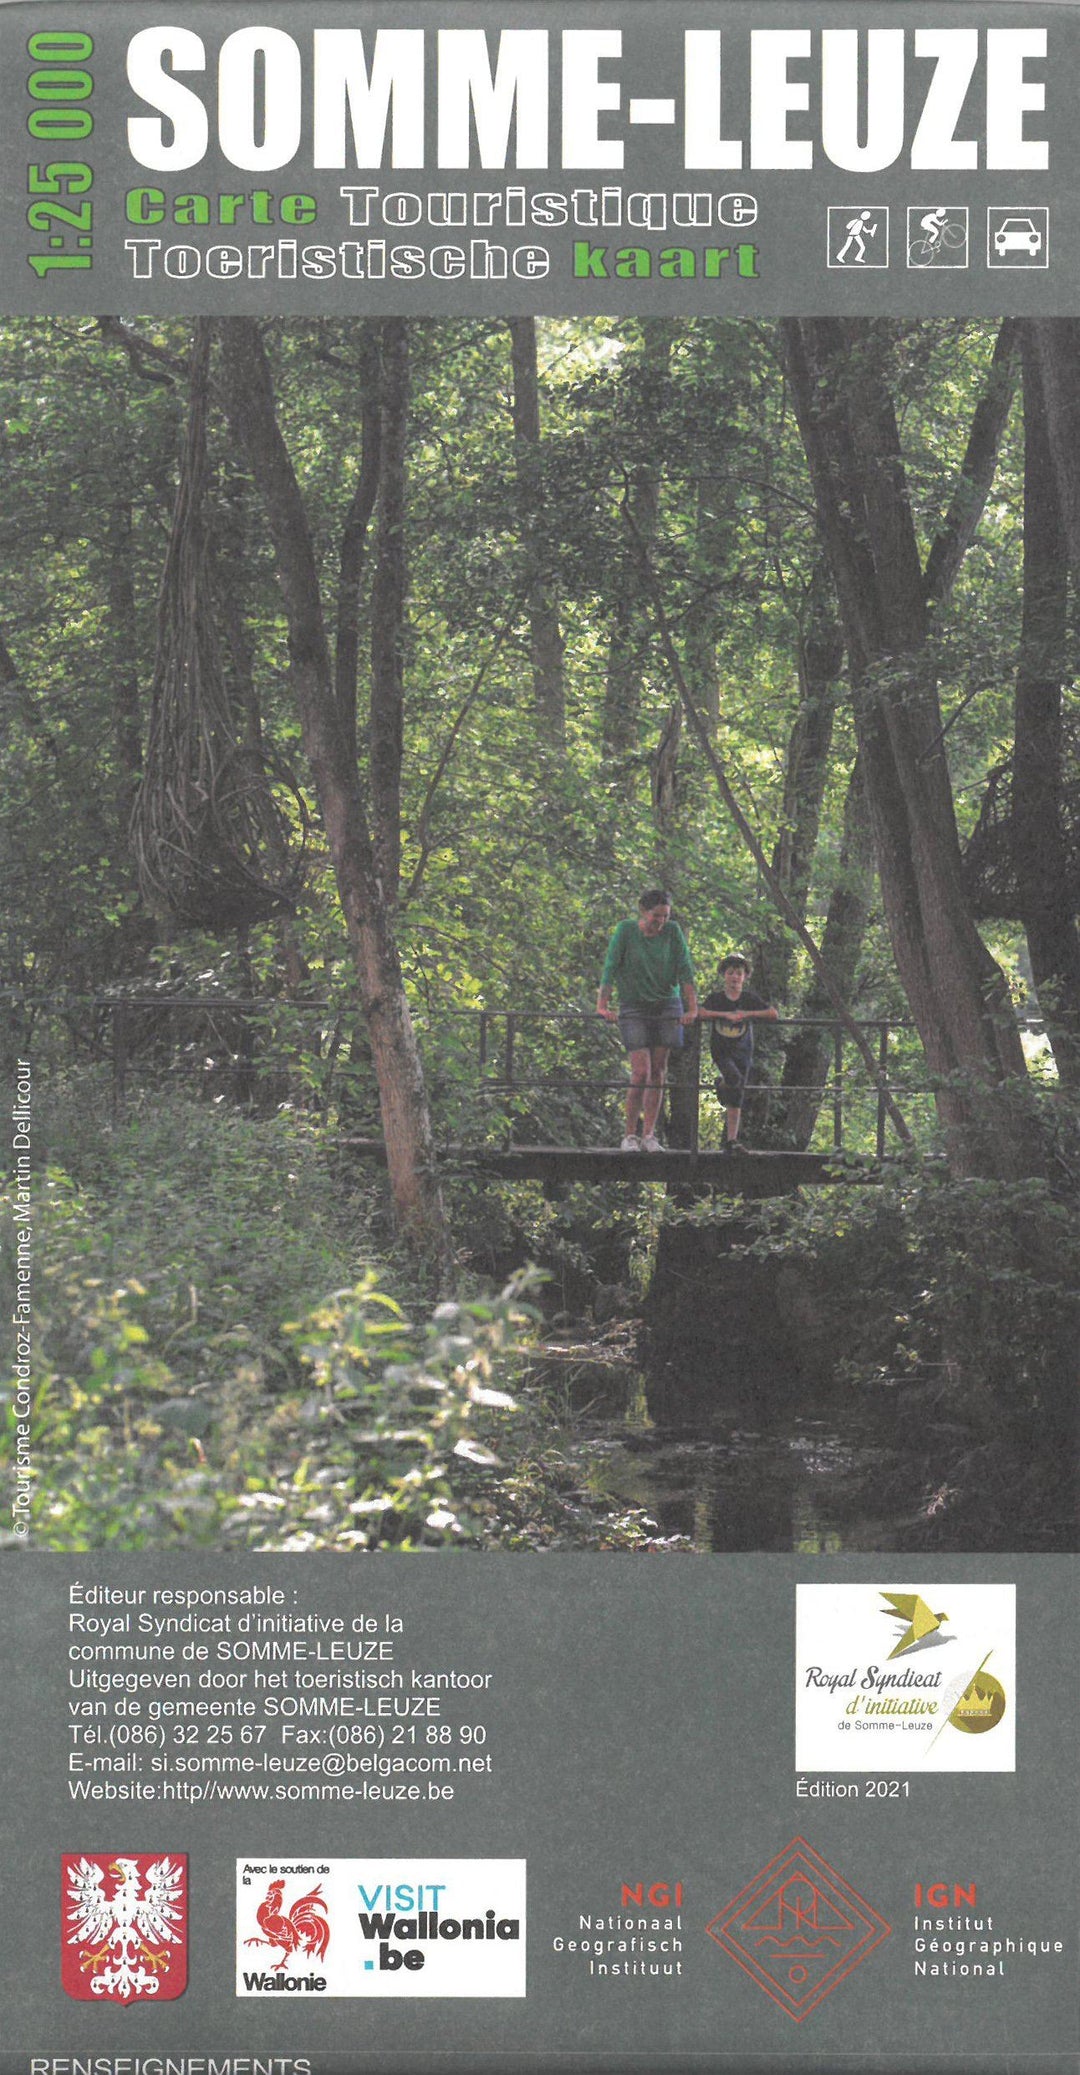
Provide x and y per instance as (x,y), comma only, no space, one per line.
(302,1929)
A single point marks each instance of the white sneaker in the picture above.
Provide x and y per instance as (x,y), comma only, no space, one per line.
(651,1144)
(630,1145)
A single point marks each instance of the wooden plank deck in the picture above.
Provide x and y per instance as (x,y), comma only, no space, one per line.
(733,1174)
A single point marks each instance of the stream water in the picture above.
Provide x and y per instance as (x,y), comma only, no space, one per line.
(817,1480)
(727,1486)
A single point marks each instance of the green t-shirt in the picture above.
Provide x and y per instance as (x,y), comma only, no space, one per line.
(647,971)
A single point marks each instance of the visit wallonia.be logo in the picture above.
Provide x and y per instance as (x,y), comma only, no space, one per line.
(905,1678)
(311,1928)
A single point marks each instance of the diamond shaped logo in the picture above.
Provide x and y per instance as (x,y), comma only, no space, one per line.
(798,1929)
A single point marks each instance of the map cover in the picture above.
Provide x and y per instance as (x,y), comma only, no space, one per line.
(541,1019)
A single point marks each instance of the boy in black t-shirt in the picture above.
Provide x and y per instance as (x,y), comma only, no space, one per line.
(732,1009)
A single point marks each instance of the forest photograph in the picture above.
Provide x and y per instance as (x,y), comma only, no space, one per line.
(360,677)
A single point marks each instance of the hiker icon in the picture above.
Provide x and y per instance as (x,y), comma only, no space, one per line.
(858,237)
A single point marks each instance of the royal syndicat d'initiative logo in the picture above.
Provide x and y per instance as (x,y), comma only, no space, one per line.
(912,1678)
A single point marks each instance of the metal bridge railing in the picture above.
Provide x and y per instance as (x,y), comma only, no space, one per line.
(500,1033)
(516,1054)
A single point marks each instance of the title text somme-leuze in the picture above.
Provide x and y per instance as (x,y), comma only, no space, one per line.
(935,99)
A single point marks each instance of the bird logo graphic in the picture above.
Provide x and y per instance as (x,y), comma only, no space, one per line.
(304,1929)
(909,1608)
(124,1927)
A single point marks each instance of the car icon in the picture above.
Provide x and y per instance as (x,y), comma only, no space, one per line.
(1017,234)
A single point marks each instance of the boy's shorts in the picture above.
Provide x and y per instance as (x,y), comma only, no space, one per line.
(649,1030)
(734,1072)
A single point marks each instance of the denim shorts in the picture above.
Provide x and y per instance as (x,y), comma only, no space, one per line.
(650,1030)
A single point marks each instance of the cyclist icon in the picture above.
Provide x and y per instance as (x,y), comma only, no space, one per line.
(936,235)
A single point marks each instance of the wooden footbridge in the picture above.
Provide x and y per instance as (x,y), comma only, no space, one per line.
(535,1070)
(751,1174)
(515,1094)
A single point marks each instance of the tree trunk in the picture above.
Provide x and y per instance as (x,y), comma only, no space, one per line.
(712,548)
(354,536)
(1038,837)
(628,647)
(387,717)
(227,570)
(665,780)
(809,1054)
(631,628)
(123,643)
(228,567)
(545,634)
(406,1123)
(806,770)
(1056,342)
(977,470)
(955,989)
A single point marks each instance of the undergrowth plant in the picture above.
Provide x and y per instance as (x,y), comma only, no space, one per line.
(191,1384)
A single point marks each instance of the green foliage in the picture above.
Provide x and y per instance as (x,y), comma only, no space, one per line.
(186,1390)
(966,1286)
(998,1298)
(518,858)
(168,1251)
(401,1409)
(107,1463)
(529,857)
(174,1245)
